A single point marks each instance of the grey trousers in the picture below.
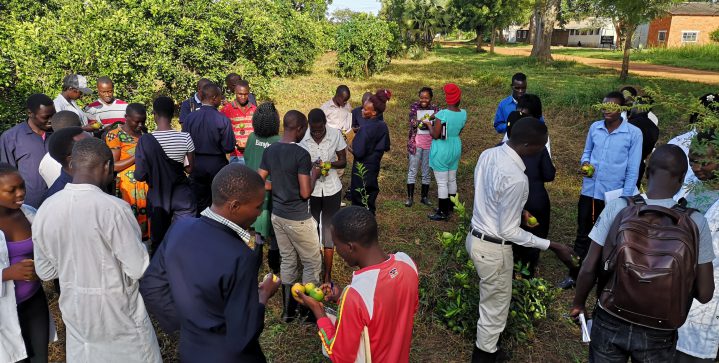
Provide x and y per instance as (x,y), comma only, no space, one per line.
(420,157)
(300,247)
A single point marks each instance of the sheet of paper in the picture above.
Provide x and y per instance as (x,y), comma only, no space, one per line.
(586,328)
(616,193)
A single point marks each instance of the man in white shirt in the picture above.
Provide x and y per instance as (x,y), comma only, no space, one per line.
(500,192)
(74,86)
(338,110)
(49,168)
(90,241)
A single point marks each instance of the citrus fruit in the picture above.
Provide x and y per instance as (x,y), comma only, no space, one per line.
(317,294)
(297,289)
(309,287)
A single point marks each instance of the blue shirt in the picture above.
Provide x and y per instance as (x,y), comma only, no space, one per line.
(505,107)
(58,185)
(615,158)
(188,106)
(24,149)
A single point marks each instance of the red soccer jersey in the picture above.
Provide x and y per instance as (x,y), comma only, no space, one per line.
(383,298)
(241,118)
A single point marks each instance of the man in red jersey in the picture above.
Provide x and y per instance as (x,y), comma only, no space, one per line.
(376,311)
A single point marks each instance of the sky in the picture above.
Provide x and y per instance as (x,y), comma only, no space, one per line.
(372,6)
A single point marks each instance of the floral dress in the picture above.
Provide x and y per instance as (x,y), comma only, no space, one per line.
(126,186)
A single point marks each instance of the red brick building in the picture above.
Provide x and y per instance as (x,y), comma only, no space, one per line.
(684,24)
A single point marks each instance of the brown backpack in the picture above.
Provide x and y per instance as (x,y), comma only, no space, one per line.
(649,265)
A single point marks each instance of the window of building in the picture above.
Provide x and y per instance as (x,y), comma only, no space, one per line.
(662,36)
(598,31)
(689,36)
(571,31)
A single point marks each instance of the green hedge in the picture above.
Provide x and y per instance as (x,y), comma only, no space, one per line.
(365,44)
(149,47)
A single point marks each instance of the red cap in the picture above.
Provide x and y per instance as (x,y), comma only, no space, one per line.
(452,93)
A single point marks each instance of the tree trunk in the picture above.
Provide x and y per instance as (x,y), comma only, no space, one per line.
(545,19)
(479,32)
(494,39)
(628,34)
(532,21)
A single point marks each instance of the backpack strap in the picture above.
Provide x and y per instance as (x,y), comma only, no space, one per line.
(636,200)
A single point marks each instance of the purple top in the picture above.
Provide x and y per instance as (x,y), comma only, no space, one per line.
(19,251)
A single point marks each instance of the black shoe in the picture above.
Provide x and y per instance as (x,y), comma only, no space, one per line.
(410,195)
(567,283)
(441,213)
(425,193)
(289,306)
(307,315)
(480,356)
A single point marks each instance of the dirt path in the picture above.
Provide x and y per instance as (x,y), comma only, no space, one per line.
(642,69)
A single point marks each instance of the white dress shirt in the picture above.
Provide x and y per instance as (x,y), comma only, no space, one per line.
(500,191)
(684,141)
(326,150)
(338,117)
(91,242)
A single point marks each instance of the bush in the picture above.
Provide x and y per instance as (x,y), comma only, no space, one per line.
(363,46)
(714,36)
(149,47)
(455,289)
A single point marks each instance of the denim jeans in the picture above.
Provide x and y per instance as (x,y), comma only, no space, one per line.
(237,159)
(616,340)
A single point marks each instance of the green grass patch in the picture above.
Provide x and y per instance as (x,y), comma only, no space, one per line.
(703,57)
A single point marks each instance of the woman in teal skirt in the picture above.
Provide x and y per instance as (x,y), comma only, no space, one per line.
(446,149)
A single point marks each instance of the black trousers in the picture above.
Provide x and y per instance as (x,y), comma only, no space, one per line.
(324,208)
(34,317)
(529,256)
(588,210)
(202,190)
(371,186)
(182,206)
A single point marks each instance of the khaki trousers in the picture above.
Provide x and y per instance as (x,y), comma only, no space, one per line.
(494,264)
(299,243)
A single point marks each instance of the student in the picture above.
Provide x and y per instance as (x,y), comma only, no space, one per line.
(500,193)
(697,340)
(418,146)
(325,145)
(219,309)
(266,123)
(539,170)
(378,306)
(230,81)
(446,149)
(159,161)
(212,135)
(509,104)
(24,315)
(49,169)
(338,110)
(24,145)
(240,112)
(91,241)
(74,87)
(107,110)
(615,338)
(193,103)
(293,180)
(122,141)
(368,147)
(650,132)
(60,149)
(614,149)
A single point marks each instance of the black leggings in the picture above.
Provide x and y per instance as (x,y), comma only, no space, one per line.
(327,206)
(34,319)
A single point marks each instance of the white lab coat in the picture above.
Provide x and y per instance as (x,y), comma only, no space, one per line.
(684,141)
(91,242)
(699,336)
(12,347)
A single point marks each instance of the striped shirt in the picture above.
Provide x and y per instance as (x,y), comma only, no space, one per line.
(106,114)
(176,144)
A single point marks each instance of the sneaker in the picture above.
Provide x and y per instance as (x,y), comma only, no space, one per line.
(567,283)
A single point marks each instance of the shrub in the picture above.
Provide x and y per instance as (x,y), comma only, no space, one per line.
(149,47)
(455,288)
(363,46)
(714,36)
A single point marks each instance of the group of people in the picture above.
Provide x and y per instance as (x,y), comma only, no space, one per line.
(171,224)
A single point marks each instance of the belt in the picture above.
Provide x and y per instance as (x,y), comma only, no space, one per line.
(488,238)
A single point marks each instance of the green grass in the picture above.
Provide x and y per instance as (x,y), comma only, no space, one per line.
(567,90)
(704,57)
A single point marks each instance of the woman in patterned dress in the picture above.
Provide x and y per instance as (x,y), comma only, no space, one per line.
(122,142)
